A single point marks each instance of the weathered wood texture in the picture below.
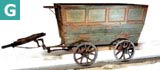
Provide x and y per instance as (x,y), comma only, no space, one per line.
(100,23)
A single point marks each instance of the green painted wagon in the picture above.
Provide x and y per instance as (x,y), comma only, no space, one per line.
(88,26)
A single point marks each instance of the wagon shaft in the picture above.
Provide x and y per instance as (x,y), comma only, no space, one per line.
(21,41)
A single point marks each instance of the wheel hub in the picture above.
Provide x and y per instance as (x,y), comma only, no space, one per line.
(125,51)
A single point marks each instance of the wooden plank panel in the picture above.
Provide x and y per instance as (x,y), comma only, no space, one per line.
(97,15)
(135,14)
(102,35)
(75,15)
(85,29)
(131,28)
(116,14)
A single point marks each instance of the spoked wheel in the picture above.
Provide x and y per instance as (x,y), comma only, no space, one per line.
(85,54)
(124,50)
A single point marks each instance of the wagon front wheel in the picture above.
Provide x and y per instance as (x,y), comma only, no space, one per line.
(124,50)
(85,54)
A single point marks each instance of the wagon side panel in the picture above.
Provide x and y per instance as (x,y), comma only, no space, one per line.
(102,24)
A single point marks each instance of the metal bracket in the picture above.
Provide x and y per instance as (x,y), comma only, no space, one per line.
(50,8)
(42,41)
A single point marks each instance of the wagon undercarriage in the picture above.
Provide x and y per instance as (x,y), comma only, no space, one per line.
(85,53)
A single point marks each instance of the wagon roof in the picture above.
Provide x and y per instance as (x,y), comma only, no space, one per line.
(99,4)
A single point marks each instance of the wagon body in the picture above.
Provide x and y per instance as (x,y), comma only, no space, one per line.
(99,23)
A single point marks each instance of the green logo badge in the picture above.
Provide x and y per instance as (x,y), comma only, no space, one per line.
(9,9)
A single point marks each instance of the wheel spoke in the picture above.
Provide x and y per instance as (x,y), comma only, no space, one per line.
(125,45)
(78,51)
(92,50)
(88,48)
(118,47)
(124,56)
(91,53)
(81,59)
(118,52)
(122,46)
(128,44)
(129,54)
(121,55)
(83,50)
(88,58)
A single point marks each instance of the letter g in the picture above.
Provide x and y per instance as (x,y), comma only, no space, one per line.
(11,12)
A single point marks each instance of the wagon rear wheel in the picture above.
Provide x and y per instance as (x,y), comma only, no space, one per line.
(124,50)
(85,54)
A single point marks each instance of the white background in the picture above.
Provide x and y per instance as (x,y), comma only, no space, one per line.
(34,19)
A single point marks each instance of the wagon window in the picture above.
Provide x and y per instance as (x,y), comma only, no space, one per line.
(75,15)
(116,14)
(135,14)
(97,15)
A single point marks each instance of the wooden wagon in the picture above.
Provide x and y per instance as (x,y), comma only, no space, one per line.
(84,27)
(88,26)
